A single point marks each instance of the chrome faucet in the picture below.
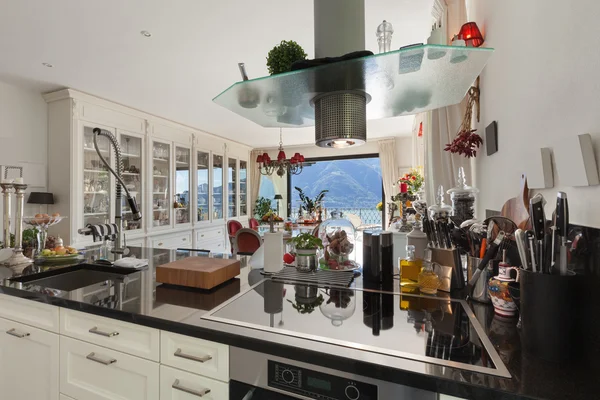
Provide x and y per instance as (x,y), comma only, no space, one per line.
(137,215)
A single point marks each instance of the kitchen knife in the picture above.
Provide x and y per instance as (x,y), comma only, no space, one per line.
(489,255)
(562,229)
(446,230)
(427,231)
(440,232)
(538,222)
(521,239)
(531,240)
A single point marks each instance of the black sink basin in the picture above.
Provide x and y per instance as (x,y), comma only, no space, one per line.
(77,277)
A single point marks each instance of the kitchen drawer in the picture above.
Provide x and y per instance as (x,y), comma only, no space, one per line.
(183,240)
(215,246)
(34,313)
(198,356)
(180,385)
(129,338)
(90,372)
(210,234)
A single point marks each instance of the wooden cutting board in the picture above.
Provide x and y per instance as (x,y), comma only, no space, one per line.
(198,272)
(517,208)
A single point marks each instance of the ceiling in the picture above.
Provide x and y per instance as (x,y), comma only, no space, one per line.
(192,55)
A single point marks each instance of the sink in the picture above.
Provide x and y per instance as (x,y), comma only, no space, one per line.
(70,279)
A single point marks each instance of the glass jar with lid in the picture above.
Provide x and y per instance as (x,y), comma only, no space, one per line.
(440,211)
(463,198)
(339,239)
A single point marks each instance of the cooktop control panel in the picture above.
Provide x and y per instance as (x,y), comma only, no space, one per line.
(317,385)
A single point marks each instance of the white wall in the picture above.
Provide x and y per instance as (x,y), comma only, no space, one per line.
(24,135)
(541,84)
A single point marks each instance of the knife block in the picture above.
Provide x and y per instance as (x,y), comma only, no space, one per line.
(450,258)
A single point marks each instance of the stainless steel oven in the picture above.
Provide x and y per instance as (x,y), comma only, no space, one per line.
(257,376)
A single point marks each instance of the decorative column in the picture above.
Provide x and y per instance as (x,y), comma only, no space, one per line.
(18,258)
(6,192)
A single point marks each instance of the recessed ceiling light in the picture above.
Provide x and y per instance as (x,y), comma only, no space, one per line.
(146,33)
(47,65)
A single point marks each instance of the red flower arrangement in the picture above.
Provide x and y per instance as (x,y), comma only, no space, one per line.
(466,143)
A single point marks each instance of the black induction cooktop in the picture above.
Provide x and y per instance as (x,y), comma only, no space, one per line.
(435,331)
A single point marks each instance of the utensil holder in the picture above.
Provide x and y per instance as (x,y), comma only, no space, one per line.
(480,290)
(549,308)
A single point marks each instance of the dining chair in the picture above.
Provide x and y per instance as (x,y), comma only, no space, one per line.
(246,241)
(232,227)
(253,223)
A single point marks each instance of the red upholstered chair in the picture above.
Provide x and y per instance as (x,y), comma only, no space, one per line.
(253,224)
(232,227)
(246,241)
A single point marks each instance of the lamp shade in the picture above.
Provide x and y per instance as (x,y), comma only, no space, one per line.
(471,34)
(278,197)
(40,198)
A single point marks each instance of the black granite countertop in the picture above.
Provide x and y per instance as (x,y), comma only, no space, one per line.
(142,301)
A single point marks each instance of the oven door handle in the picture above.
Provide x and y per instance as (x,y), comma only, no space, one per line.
(249,395)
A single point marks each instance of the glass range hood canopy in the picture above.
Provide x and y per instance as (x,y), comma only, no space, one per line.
(402,82)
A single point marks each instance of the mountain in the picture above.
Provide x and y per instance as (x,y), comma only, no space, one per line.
(354,183)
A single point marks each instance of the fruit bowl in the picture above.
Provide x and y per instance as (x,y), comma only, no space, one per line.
(43,220)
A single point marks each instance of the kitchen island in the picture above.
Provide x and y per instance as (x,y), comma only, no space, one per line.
(142,301)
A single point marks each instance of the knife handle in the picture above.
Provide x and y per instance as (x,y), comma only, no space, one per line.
(538,218)
(562,214)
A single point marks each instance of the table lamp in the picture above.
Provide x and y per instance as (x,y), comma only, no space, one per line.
(277,198)
(40,198)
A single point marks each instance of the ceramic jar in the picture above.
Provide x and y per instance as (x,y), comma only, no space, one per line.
(498,289)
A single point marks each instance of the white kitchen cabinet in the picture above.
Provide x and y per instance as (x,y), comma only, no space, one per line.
(34,313)
(90,372)
(172,241)
(29,360)
(180,385)
(159,158)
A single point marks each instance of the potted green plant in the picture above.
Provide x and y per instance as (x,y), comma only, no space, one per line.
(306,247)
(308,204)
(282,56)
(262,207)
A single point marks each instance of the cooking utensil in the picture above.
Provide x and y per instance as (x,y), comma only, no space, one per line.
(562,229)
(531,241)
(538,222)
(517,208)
(489,255)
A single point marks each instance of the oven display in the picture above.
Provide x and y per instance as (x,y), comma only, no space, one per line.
(317,385)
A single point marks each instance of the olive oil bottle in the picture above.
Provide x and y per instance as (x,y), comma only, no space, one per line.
(410,267)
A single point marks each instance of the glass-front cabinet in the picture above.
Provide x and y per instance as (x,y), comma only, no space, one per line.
(183,167)
(217,187)
(204,185)
(232,179)
(243,188)
(161,184)
(133,169)
(97,182)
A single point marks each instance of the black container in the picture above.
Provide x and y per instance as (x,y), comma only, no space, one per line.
(378,257)
(549,315)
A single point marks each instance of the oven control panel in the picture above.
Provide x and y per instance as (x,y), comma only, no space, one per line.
(317,385)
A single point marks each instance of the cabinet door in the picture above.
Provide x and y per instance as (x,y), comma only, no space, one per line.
(132,147)
(183,166)
(162,202)
(243,189)
(28,362)
(217,177)
(97,181)
(232,190)
(204,186)
(90,372)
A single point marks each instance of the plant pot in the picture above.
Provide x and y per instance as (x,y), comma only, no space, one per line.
(306,260)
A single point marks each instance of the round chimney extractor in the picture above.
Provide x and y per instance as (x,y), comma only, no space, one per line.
(341,118)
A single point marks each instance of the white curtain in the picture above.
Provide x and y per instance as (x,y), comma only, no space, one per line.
(254,180)
(440,126)
(389,167)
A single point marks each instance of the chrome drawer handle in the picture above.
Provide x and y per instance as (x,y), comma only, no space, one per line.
(13,332)
(95,331)
(92,356)
(201,359)
(199,393)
